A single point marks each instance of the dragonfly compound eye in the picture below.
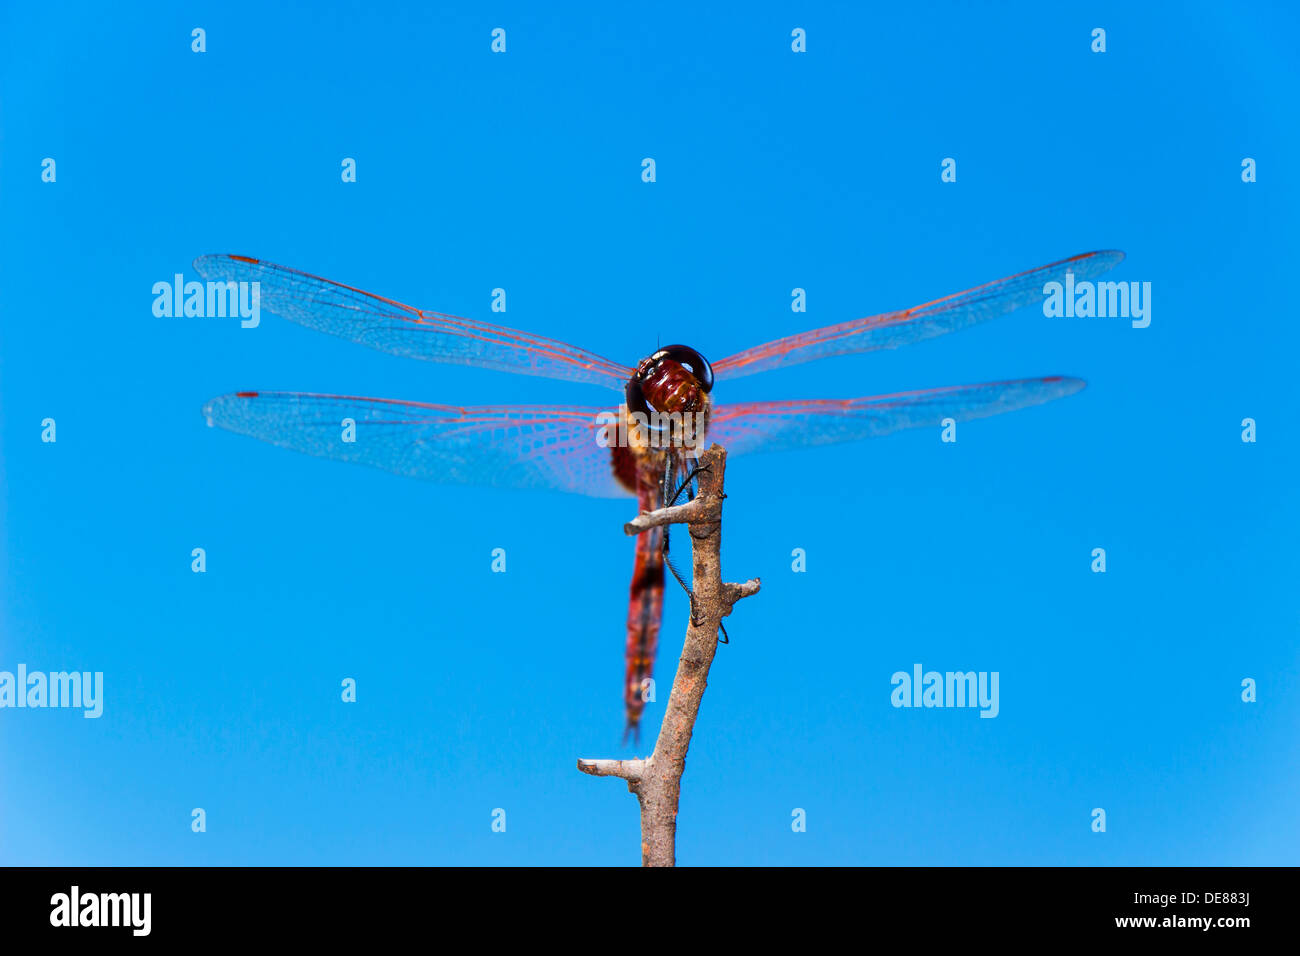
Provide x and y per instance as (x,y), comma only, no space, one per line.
(693,360)
(636,397)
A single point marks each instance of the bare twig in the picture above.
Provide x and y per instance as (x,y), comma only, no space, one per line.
(656,780)
(627,769)
(693,512)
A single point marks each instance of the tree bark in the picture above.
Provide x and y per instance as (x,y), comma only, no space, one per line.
(656,780)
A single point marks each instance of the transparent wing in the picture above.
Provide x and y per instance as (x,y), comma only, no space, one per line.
(528,446)
(776,426)
(889,330)
(404,330)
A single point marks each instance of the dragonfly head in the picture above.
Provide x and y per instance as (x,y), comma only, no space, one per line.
(676,378)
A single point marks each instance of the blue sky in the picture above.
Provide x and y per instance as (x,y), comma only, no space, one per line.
(775,170)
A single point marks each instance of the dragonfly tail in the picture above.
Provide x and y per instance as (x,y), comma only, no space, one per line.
(645,611)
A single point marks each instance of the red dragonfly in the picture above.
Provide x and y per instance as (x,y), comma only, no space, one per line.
(638,448)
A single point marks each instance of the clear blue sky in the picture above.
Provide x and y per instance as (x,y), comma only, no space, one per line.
(775,170)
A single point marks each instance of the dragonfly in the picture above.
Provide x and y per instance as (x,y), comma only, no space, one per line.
(641,447)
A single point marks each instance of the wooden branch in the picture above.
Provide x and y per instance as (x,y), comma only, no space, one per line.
(656,780)
(627,769)
(697,511)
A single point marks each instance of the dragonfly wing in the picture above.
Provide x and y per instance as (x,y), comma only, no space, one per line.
(889,330)
(404,330)
(776,426)
(527,446)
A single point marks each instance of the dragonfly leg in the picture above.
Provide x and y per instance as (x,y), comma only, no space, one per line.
(673,568)
(688,484)
(696,621)
(669,468)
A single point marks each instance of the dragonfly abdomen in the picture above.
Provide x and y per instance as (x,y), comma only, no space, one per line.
(645,610)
